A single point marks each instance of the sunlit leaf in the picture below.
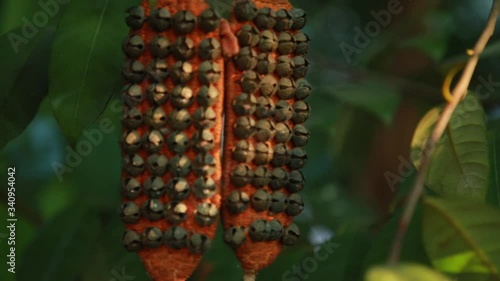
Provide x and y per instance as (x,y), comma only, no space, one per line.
(404,272)
(459,167)
(85,69)
(462,237)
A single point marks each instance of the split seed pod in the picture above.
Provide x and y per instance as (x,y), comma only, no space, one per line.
(265,131)
(173,104)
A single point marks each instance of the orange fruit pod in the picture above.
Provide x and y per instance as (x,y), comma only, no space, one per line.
(264,131)
(172,124)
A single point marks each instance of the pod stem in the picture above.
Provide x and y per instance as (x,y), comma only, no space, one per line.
(249,276)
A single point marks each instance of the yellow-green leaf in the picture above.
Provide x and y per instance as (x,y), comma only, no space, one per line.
(462,237)
(459,167)
(404,272)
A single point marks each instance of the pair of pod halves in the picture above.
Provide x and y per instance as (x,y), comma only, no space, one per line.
(213,124)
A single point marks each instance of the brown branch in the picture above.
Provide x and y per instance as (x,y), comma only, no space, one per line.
(458,93)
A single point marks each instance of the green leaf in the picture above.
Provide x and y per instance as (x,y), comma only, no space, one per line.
(493,196)
(85,69)
(412,250)
(14,13)
(462,237)
(459,167)
(26,84)
(374,96)
(434,41)
(404,272)
(62,247)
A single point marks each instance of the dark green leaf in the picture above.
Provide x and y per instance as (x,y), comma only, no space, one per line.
(462,237)
(374,96)
(86,62)
(26,84)
(62,247)
(459,167)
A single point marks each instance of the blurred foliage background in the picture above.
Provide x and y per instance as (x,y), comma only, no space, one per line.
(365,109)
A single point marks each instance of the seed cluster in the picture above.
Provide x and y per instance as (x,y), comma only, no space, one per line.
(268,133)
(170,143)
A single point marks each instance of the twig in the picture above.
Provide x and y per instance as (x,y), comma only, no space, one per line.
(458,93)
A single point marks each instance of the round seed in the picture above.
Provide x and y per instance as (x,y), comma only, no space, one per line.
(178,189)
(209,20)
(249,82)
(237,201)
(261,200)
(275,229)
(154,187)
(204,164)
(263,153)
(268,86)
(131,188)
(248,36)
(279,178)
(301,43)
(295,205)
(156,117)
(268,41)
(244,104)
(134,46)
(265,19)
(281,155)
(245,10)
(299,18)
(262,177)
(159,46)
(157,164)
(284,20)
(131,141)
(206,214)
(209,72)
(131,241)
(301,67)
(300,135)
(133,71)
(176,237)
(175,212)
(158,70)
(199,243)
(244,127)
(283,133)
(184,22)
(290,235)
(286,43)
(204,187)
(182,72)
(303,89)
(204,118)
(180,166)
(132,118)
(180,119)
(132,94)
(235,236)
(301,112)
(130,212)
(278,202)
(203,141)
(298,158)
(133,164)
(182,96)
(243,152)
(259,230)
(283,111)
(207,96)
(136,17)
(178,142)
(209,49)
(246,59)
(154,141)
(152,237)
(266,63)
(183,48)
(152,209)
(241,175)
(157,93)
(160,19)
(296,182)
